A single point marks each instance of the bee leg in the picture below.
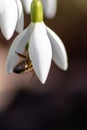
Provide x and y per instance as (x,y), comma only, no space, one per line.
(32,76)
(20,55)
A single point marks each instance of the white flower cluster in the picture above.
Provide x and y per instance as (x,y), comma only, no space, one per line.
(43,46)
(12,15)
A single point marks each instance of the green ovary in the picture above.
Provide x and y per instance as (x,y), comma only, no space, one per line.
(36,11)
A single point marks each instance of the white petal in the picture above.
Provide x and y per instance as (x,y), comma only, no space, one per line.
(58,49)
(20,22)
(26,4)
(50,8)
(18,45)
(8,17)
(40,51)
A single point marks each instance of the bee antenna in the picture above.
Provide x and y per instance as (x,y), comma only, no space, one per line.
(21,55)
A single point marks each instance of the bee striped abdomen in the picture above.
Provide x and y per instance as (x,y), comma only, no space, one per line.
(20,68)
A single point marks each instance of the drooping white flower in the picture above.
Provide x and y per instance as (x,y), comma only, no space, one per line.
(26,4)
(11,17)
(50,7)
(44,45)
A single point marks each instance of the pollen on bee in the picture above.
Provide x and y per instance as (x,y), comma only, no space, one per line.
(26,66)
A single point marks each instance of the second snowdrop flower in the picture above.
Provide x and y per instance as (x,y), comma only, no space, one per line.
(11,17)
(44,45)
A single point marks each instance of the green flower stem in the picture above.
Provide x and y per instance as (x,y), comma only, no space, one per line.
(36,11)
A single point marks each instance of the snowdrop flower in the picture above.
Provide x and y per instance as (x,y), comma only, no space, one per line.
(27,4)
(11,17)
(50,7)
(44,45)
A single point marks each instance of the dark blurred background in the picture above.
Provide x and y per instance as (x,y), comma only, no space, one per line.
(60,104)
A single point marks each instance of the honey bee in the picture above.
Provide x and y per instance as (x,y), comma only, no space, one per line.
(23,66)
